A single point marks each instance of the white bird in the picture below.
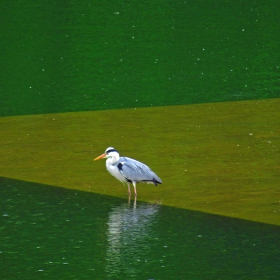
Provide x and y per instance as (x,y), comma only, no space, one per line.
(128,170)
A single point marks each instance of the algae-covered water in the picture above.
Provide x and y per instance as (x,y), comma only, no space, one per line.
(220,158)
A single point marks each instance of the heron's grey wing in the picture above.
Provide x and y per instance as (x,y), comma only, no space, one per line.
(134,170)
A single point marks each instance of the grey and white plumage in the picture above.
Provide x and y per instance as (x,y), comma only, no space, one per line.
(128,170)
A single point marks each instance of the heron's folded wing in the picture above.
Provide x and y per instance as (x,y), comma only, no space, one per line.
(136,171)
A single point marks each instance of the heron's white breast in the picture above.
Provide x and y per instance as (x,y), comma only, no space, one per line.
(114,171)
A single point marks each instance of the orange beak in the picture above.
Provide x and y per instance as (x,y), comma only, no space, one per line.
(100,157)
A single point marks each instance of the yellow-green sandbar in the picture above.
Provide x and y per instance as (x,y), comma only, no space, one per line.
(220,158)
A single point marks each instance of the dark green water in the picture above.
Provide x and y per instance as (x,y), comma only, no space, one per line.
(53,233)
(91,55)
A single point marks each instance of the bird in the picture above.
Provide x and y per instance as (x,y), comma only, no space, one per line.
(128,170)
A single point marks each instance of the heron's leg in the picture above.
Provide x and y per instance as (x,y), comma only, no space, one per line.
(134,185)
(128,186)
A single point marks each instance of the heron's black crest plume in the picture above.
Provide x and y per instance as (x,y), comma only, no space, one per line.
(111,150)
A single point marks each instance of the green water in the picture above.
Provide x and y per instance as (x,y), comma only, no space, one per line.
(54,233)
(92,55)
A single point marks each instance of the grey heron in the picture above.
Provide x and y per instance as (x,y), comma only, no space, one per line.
(128,170)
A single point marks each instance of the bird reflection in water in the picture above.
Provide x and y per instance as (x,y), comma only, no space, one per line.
(130,235)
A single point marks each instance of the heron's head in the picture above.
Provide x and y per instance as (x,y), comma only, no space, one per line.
(109,153)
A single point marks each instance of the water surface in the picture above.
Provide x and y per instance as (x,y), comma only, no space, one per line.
(50,232)
(88,55)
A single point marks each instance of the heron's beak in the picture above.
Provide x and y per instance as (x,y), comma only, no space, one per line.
(101,156)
